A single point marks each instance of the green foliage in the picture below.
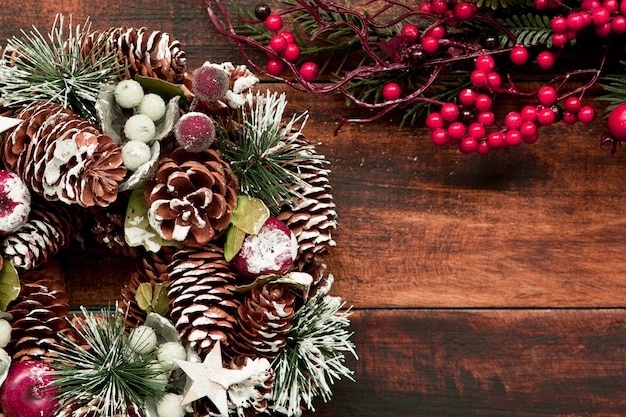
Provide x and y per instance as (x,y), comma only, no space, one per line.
(614,86)
(503,4)
(9,284)
(529,29)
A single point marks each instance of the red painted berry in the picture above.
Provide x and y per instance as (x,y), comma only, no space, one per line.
(618,24)
(391,91)
(309,71)
(617,122)
(558,24)
(513,138)
(545,60)
(467,97)
(611,6)
(438,32)
(573,104)
(410,32)
(468,145)
(430,44)
(496,140)
(483,148)
(434,121)
(274,23)
(288,36)
(529,113)
(477,130)
(575,21)
(559,39)
(600,16)
(439,136)
(275,67)
(478,78)
(513,120)
(463,10)
(622,7)
(292,52)
(278,43)
(449,112)
(586,114)
(546,116)
(483,102)
(528,129)
(547,95)
(603,30)
(569,118)
(438,6)
(519,55)
(487,118)
(485,63)
(493,79)
(456,131)
(425,6)
(530,139)
(589,5)
(541,4)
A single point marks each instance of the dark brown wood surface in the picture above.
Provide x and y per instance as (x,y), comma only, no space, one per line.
(482,286)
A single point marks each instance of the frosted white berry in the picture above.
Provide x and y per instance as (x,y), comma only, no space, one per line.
(140,127)
(5,333)
(135,153)
(152,106)
(142,339)
(128,93)
(170,406)
(14,202)
(169,352)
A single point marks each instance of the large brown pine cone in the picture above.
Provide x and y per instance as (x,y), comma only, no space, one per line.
(150,268)
(151,54)
(313,218)
(63,157)
(203,299)
(193,197)
(51,226)
(39,313)
(263,319)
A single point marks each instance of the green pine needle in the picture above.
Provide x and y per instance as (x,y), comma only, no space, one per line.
(314,357)
(106,373)
(50,68)
(263,152)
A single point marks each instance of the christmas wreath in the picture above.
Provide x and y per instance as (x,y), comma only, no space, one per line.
(194,175)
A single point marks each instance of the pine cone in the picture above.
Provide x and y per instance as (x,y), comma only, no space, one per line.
(203,300)
(151,268)
(39,313)
(263,320)
(64,157)
(107,227)
(151,54)
(51,227)
(192,198)
(313,218)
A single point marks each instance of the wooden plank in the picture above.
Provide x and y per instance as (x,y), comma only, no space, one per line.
(488,363)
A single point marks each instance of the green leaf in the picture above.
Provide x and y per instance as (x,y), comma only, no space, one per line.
(165,89)
(160,300)
(143,296)
(234,241)
(9,284)
(250,214)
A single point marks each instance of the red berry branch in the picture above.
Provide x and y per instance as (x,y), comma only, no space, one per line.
(442,61)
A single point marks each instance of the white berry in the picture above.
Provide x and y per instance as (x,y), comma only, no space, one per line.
(142,339)
(5,333)
(169,406)
(152,106)
(135,153)
(140,127)
(128,93)
(169,352)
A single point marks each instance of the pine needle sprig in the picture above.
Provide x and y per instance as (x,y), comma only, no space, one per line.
(263,152)
(51,68)
(314,356)
(102,370)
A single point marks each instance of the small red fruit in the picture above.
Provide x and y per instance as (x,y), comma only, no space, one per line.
(410,32)
(468,145)
(439,136)
(545,60)
(274,23)
(547,95)
(483,102)
(278,43)
(449,112)
(391,91)
(275,67)
(309,71)
(292,52)
(519,55)
(27,391)
(434,121)
(430,44)
(586,114)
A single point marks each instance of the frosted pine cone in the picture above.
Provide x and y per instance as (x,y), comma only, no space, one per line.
(263,319)
(203,300)
(64,157)
(51,227)
(39,313)
(313,218)
(107,227)
(151,54)
(192,198)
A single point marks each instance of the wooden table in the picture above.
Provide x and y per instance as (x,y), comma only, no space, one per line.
(482,286)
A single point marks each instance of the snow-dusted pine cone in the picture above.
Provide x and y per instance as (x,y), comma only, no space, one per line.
(39,313)
(263,319)
(51,226)
(150,268)
(149,53)
(107,227)
(313,218)
(193,197)
(63,157)
(203,300)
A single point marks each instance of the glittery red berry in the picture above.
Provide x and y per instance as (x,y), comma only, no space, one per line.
(195,131)
(309,71)
(209,83)
(391,91)
(274,23)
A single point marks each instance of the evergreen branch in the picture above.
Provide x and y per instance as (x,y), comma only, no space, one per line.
(503,4)
(615,90)
(528,29)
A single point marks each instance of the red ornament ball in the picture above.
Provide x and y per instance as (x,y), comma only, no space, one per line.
(309,71)
(617,122)
(392,91)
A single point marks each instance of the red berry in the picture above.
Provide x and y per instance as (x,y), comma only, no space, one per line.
(575,21)
(496,140)
(530,139)
(483,102)
(463,10)
(618,24)
(438,32)
(430,44)
(617,121)
(545,60)
(546,116)
(274,23)
(513,138)
(547,95)
(586,114)
(438,6)
(622,7)
(439,136)
(487,118)
(528,129)
(541,4)
(483,148)
(288,36)
(410,32)
(468,145)
(587,18)
(559,39)
(434,121)
(275,66)
(519,55)
(467,97)
(569,118)
(476,130)
(573,104)
(478,78)
(425,7)
(604,30)
(611,6)
(292,52)
(391,91)
(601,16)
(456,131)
(449,112)
(558,24)
(513,120)
(589,5)
(493,79)
(309,71)
(485,63)
(529,113)
(278,43)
